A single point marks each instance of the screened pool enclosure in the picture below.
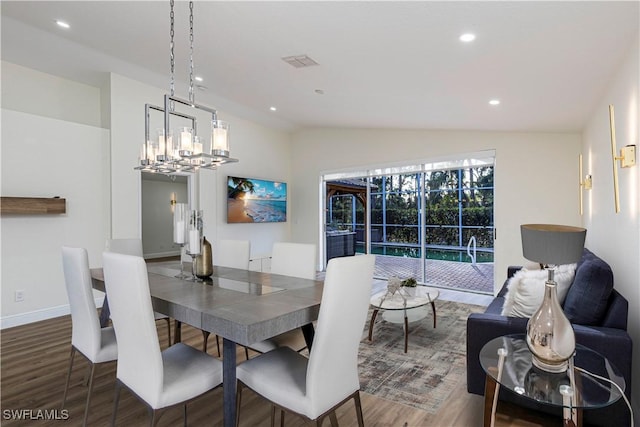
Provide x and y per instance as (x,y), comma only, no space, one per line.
(433,222)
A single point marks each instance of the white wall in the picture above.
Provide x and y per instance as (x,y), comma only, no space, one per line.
(535,174)
(53,123)
(616,237)
(67,160)
(42,94)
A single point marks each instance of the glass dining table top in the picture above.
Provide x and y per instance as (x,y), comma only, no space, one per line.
(243,286)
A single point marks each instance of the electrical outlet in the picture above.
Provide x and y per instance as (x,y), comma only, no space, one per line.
(19,296)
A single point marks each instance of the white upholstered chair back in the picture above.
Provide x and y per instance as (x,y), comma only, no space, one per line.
(140,364)
(332,372)
(85,330)
(294,259)
(125,246)
(233,254)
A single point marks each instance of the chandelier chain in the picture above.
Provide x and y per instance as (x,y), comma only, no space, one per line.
(172,81)
(191,94)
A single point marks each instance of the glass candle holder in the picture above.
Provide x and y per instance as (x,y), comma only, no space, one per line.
(194,237)
(180,220)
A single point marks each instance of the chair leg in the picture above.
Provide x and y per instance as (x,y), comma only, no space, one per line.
(218,344)
(246,353)
(168,329)
(66,387)
(205,338)
(281,417)
(356,398)
(85,380)
(116,399)
(86,407)
(177,331)
(334,419)
(273,415)
(184,415)
(238,400)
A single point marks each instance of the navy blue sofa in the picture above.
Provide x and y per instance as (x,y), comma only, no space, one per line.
(598,314)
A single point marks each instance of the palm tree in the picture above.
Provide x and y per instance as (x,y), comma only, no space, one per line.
(240,187)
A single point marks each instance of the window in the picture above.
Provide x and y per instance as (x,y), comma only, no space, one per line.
(439,210)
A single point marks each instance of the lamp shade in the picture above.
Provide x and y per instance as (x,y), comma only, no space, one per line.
(552,244)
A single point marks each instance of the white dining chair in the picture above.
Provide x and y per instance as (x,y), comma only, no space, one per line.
(295,260)
(233,254)
(160,379)
(97,345)
(134,247)
(314,387)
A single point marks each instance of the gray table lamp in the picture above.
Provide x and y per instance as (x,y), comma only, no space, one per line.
(550,336)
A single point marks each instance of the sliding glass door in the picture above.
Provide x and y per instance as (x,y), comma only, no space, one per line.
(431,221)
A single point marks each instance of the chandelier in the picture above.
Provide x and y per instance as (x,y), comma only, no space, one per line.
(182,149)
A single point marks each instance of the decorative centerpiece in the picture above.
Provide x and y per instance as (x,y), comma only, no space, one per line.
(393,285)
(404,288)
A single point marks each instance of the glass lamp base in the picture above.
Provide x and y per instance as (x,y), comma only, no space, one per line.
(550,336)
(554,368)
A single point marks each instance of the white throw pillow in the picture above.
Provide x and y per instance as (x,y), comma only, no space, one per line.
(525,290)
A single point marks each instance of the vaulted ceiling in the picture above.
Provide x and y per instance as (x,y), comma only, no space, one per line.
(380,64)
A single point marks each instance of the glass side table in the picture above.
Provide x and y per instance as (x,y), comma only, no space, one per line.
(507,362)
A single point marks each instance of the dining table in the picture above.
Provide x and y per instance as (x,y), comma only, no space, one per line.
(241,306)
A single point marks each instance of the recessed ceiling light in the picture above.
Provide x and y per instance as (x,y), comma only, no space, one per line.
(272,108)
(494,102)
(62,24)
(198,79)
(467,37)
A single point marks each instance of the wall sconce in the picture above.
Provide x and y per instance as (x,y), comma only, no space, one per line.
(173,201)
(627,158)
(585,184)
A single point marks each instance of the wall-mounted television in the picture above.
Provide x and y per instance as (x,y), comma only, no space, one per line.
(256,200)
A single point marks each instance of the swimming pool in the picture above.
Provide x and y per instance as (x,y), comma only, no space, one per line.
(442,254)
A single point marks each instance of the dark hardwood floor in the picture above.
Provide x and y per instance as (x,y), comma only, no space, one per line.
(34,361)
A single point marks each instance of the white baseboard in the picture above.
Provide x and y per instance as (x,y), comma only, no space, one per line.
(38,315)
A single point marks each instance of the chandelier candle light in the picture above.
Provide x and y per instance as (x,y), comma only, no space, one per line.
(550,336)
(185,151)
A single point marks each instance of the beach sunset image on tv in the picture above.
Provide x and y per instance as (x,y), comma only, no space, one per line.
(256,200)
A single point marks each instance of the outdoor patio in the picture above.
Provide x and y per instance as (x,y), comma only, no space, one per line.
(446,274)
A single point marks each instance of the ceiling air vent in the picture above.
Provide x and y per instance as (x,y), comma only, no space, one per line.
(299,61)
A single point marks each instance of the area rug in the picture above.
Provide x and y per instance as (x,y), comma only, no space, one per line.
(434,365)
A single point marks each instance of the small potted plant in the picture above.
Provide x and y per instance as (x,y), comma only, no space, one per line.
(410,286)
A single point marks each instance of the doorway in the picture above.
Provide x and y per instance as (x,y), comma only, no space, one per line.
(159,193)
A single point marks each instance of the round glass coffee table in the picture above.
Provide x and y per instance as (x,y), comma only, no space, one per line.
(507,362)
(405,300)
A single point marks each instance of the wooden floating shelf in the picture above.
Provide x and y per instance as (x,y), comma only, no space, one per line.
(33,205)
